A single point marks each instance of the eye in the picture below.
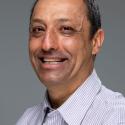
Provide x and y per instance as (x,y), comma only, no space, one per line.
(67,30)
(37,30)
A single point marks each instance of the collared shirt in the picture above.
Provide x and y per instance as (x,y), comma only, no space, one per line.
(90,104)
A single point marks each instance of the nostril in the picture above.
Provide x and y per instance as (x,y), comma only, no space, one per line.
(49,45)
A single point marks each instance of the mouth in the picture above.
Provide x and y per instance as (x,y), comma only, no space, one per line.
(52,60)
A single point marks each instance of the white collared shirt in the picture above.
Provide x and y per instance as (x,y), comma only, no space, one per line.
(90,104)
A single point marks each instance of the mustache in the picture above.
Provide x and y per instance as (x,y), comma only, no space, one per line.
(51,54)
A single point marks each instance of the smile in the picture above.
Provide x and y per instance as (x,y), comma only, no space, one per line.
(52,60)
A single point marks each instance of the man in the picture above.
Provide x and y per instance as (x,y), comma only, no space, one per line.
(65,37)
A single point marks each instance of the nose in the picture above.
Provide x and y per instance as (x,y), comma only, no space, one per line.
(50,41)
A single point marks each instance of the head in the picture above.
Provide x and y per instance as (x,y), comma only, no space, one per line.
(65,36)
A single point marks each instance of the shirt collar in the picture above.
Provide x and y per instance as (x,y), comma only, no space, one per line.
(46,104)
(76,106)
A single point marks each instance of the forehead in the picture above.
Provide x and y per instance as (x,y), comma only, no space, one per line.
(59,9)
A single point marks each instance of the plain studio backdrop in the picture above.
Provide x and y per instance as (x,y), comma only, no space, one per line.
(19,86)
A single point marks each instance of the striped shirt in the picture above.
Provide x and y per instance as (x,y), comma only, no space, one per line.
(91,104)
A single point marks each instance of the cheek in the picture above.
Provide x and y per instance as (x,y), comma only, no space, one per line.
(34,44)
(33,47)
(80,50)
(74,46)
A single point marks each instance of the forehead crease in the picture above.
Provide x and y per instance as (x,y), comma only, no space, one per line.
(61,17)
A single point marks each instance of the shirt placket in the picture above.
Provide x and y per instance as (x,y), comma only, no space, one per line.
(53,118)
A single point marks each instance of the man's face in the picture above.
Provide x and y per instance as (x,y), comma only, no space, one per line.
(59,45)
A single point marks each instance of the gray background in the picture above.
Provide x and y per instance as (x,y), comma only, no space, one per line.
(19,86)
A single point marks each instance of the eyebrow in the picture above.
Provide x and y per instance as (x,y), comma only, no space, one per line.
(37,20)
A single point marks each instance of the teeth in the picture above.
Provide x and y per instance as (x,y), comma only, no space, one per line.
(51,60)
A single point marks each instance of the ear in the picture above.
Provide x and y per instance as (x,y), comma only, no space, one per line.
(97,41)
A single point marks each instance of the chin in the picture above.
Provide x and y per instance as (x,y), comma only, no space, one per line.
(52,79)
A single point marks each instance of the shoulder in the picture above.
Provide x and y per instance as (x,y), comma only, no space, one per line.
(29,114)
(112,99)
(113,104)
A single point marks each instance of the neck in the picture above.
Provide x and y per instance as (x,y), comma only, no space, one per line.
(57,95)
(57,98)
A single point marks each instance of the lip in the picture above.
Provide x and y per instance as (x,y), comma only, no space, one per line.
(52,63)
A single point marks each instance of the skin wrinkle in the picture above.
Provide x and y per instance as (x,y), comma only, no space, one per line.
(92,13)
(79,29)
(39,21)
